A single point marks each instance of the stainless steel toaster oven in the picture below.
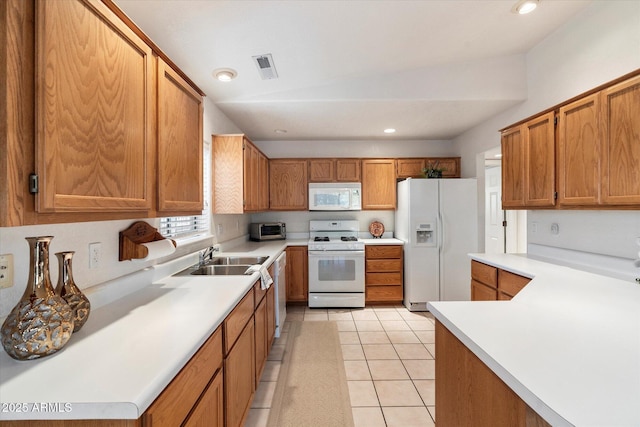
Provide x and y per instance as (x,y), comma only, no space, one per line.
(267,231)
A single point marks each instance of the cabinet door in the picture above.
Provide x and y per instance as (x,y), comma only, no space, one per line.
(94,109)
(410,168)
(348,170)
(621,143)
(379,184)
(251,177)
(239,378)
(297,274)
(540,161)
(209,412)
(228,174)
(322,170)
(513,173)
(263,196)
(481,292)
(260,318)
(450,166)
(179,144)
(579,153)
(288,185)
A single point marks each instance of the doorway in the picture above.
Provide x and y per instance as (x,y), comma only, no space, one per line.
(504,231)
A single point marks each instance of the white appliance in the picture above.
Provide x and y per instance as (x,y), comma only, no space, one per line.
(335,196)
(336,264)
(438,222)
(280,281)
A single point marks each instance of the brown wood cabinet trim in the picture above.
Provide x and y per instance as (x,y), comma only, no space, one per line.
(484,273)
(235,322)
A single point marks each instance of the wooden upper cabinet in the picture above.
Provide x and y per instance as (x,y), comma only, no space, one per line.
(322,170)
(539,137)
(621,143)
(348,170)
(412,167)
(378,184)
(528,164)
(513,173)
(450,165)
(94,109)
(180,158)
(334,170)
(239,175)
(579,146)
(288,185)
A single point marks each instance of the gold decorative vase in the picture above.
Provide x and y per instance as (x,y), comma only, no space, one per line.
(67,289)
(42,322)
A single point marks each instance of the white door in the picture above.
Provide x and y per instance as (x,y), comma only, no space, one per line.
(494,242)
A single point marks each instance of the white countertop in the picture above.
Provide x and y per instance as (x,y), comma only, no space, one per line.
(130,348)
(568,344)
(383,241)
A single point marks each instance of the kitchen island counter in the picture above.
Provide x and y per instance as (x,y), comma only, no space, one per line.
(142,330)
(568,344)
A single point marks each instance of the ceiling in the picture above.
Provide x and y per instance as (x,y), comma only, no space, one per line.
(349,69)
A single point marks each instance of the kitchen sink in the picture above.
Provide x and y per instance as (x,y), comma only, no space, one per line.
(220,270)
(214,270)
(224,266)
(236,260)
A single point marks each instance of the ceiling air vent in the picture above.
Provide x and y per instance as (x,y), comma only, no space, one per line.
(265,65)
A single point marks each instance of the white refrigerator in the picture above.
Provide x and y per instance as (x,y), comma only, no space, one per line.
(438,222)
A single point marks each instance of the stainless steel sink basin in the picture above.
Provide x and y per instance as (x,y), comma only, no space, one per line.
(237,260)
(218,270)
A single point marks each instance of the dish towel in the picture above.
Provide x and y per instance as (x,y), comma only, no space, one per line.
(265,277)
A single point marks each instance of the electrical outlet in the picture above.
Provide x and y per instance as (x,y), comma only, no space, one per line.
(555,229)
(95,253)
(6,271)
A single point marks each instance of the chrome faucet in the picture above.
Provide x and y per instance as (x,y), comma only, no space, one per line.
(207,254)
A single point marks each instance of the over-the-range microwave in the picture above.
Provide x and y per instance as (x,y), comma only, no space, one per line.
(335,196)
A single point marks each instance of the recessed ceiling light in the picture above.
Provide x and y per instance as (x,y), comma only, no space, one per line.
(280,131)
(524,6)
(225,74)
(390,130)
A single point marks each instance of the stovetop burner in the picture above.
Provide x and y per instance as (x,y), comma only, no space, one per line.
(321,239)
(349,239)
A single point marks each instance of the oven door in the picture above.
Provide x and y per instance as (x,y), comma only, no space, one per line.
(336,271)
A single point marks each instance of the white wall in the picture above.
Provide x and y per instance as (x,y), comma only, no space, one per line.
(77,236)
(599,45)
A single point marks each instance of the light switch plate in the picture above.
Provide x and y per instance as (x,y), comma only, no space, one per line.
(6,271)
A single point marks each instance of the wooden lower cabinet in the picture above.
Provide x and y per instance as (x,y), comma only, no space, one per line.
(469,394)
(191,389)
(239,377)
(297,274)
(260,321)
(490,283)
(383,274)
(209,411)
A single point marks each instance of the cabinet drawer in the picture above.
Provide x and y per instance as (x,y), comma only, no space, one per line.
(383,278)
(384,293)
(510,283)
(176,401)
(235,321)
(383,265)
(484,273)
(481,292)
(383,251)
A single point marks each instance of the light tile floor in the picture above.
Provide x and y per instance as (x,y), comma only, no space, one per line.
(388,356)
